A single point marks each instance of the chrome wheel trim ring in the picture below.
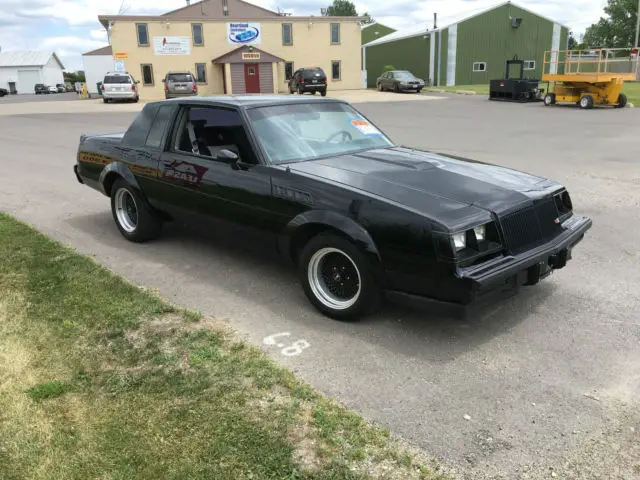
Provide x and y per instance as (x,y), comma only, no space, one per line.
(318,285)
(126,215)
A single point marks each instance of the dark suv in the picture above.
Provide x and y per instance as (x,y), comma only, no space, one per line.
(308,80)
(41,88)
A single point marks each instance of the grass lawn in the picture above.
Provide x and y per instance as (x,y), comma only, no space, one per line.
(102,379)
(632,90)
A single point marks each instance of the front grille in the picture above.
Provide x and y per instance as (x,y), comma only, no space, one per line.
(530,226)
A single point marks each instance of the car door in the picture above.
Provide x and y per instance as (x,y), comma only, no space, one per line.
(196,182)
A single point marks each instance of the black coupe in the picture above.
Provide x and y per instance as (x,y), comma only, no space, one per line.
(358,215)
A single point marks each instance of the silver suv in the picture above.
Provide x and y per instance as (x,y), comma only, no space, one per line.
(119,86)
(180,84)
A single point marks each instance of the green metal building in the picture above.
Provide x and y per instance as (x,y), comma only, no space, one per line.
(471,50)
(374,31)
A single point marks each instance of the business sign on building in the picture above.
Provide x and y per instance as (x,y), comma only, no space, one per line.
(171,46)
(243,33)
(121,56)
(250,55)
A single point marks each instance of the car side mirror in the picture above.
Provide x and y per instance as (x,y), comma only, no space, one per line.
(227,156)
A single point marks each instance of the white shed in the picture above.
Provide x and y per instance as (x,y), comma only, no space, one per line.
(96,64)
(21,70)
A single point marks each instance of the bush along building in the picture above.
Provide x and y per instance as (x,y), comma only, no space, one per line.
(471,50)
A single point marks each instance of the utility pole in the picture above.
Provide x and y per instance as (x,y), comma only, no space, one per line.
(635,44)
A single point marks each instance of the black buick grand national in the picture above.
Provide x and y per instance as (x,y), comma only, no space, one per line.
(359,216)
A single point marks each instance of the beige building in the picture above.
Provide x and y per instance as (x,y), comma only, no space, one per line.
(232,46)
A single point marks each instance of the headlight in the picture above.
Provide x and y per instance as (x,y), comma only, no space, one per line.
(480,232)
(460,241)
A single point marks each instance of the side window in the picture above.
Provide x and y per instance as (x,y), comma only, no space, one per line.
(143,34)
(287,35)
(158,127)
(204,131)
(147,74)
(335,33)
(335,70)
(479,66)
(288,70)
(138,131)
(198,38)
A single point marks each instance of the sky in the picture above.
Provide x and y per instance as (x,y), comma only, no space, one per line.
(70,27)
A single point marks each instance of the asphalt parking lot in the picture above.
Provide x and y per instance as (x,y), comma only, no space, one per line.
(32,97)
(546,382)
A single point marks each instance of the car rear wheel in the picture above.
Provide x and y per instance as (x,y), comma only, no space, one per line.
(323,93)
(105,100)
(135,220)
(300,90)
(622,101)
(337,278)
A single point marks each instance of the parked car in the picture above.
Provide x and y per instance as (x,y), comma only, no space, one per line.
(399,81)
(3,92)
(69,88)
(41,88)
(355,213)
(61,88)
(52,89)
(119,86)
(180,84)
(308,80)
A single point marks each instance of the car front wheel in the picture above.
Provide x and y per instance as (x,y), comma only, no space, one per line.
(135,220)
(337,278)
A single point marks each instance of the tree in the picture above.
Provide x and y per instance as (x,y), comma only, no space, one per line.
(618,29)
(367,18)
(574,44)
(342,8)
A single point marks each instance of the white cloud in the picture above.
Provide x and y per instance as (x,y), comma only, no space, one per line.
(99,34)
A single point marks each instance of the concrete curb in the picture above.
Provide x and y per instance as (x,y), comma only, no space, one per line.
(466,92)
(435,90)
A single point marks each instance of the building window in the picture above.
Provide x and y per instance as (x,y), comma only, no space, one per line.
(529,64)
(479,66)
(201,72)
(143,34)
(147,74)
(198,38)
(287,34)
(252,70)
(335,33)
(335,70)
(288,70)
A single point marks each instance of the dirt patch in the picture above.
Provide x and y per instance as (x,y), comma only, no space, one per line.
(304,439)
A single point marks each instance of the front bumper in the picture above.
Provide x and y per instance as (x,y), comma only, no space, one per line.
(498,277)
(549,256)
(410,88)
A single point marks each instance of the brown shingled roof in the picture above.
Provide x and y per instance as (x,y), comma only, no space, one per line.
(101,51)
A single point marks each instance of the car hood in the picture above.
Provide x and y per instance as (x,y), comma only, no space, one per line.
(413,178)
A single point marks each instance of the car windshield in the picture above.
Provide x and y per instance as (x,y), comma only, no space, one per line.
(311,130)
(404,75)
(117,79)
(179,77)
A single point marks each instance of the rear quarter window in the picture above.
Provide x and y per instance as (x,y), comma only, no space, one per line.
(138,131)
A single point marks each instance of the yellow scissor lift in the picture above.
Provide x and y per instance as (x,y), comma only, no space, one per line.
(589,77)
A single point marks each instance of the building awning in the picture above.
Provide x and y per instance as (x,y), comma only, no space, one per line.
(247,54)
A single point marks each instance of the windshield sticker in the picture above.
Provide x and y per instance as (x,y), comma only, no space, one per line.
(365,127)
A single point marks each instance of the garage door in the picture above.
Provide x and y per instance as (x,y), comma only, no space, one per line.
(27,80)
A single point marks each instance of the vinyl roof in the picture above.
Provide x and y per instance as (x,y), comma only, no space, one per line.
(448,21)
(27,58)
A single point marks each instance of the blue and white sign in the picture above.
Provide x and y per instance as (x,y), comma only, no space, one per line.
(118,65)
(243,33)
